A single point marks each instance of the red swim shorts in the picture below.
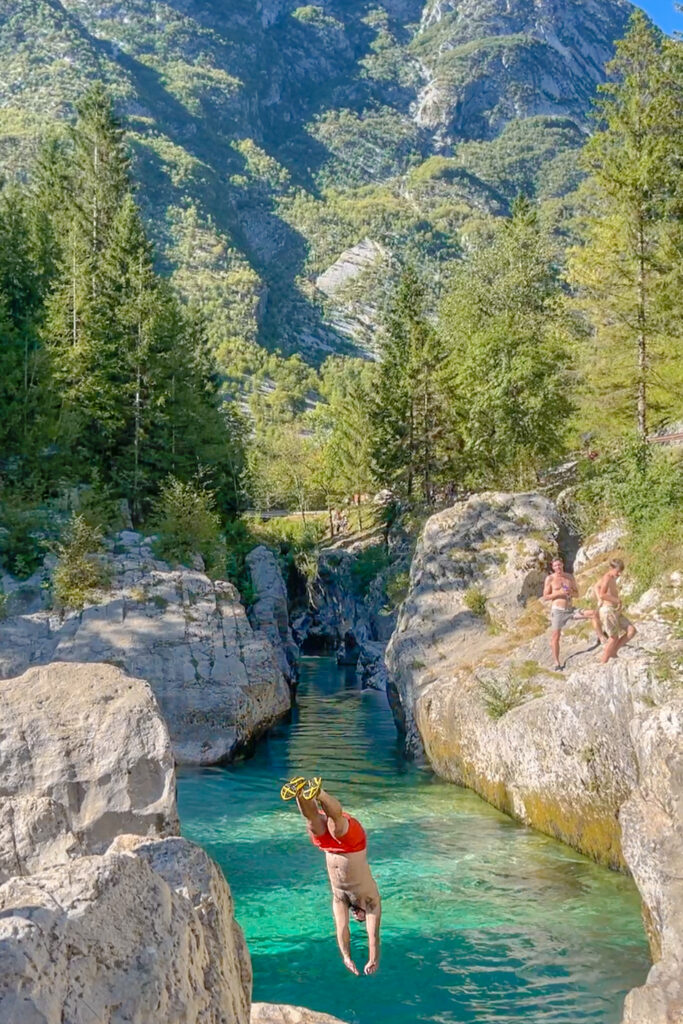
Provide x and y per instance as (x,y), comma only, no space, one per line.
(353,841)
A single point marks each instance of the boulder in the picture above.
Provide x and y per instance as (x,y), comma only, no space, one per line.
(270,611)
(279,1013)
(594,756)
(84,755)
(143,934)
(217,681)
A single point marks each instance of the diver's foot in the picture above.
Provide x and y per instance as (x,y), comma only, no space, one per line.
(293,788)
(312,788)
(371,966)
(349,964)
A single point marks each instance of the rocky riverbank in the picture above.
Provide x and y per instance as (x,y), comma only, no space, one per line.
(220,679)
(593,756)
(106,913)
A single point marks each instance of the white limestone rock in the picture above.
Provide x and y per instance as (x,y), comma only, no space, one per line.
(143,934)
(84,755)
(280,1013)
(218,682)
(270,611)
(593,757)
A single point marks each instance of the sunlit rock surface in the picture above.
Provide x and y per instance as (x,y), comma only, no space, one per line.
(84,755)
(143,934)
(593,756)
(277,1013)
(218,682)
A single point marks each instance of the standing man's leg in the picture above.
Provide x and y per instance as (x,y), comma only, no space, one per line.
(555,647)
(340,911)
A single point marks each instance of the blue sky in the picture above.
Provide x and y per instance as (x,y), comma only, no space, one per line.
(664,13)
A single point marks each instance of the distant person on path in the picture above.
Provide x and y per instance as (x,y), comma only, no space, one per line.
(560,589)
(615,624)
(344,843)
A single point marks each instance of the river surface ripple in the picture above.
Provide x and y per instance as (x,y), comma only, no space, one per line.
(484,920)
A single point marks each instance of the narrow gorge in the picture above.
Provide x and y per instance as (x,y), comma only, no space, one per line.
(91,860)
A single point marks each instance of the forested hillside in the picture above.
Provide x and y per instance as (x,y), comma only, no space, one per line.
(269,137)
(210,217)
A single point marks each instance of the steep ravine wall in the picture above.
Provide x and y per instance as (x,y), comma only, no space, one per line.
(592,756)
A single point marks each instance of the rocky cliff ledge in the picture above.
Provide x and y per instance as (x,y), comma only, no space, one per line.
(94,924)
(593,756)
(219,682)
(105,914)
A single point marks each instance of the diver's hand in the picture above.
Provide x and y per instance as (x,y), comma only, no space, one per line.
(371,966)
(349,964)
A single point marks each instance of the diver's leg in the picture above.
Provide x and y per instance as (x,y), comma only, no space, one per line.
(311,812)
(333,810)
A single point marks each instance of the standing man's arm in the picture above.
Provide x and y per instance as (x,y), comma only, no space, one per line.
(372,923)
(547,589)
(341,924)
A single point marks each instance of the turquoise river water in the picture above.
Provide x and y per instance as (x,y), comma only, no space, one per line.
(483,920)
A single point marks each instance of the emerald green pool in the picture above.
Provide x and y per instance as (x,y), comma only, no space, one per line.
(484,920)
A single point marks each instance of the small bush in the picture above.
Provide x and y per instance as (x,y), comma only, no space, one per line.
(397,588)
(368,564)
(475,601)
(186,518)
(79,573)
(644,487)
(22,539)
(501,697)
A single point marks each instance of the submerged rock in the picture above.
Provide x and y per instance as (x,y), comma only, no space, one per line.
(593,757)
(218,682)
(280,1013)
(84,755)
(143,934)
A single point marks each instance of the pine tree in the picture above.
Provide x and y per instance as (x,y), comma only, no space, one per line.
(409,412)
(20,311)
(506,329)
(628,268)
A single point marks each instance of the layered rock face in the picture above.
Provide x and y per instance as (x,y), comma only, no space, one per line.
(84,756)
(95,925)
(593,757)
(486,62)
(218,682)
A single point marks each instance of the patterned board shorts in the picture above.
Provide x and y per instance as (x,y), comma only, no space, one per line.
(613,622)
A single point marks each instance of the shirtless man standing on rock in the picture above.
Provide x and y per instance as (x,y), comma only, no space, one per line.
(560,589)
(343,841)
(615,624)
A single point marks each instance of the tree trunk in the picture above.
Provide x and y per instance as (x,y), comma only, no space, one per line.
(642,335)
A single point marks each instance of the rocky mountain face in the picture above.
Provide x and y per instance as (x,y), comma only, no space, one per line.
(271,137)
(592,756)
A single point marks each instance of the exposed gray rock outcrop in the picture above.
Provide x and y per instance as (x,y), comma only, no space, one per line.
(218,683)
(270,610)
(95,925)
(84,755)
(143,934)
(593,757)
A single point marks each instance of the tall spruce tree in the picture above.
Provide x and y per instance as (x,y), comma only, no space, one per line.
(506,329)
(409,411)
(21,299)
(628,269)
(139,399)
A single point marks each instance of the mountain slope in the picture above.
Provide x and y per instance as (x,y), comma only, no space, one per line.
(269,137)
